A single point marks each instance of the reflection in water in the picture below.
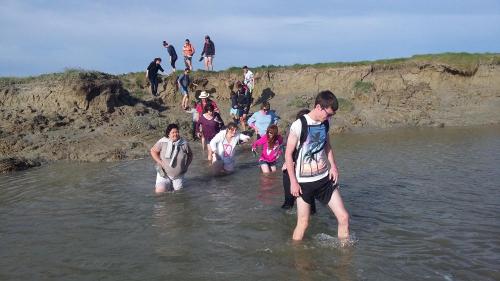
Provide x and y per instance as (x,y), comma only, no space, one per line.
(424,204)
(270,188)
(339,266)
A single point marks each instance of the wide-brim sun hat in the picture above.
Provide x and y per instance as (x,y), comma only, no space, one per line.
(204,95)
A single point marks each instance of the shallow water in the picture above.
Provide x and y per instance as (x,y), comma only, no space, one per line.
(424,205)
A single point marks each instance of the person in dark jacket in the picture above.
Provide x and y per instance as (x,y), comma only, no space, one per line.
(244,102)
(171,53)
(152,75)
(208,53)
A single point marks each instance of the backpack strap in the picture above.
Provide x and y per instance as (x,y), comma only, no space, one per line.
(303,131)
(326,123)
(303,137)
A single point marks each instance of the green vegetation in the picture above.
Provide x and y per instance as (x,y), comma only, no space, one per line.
(461,63)
(345,105)
(68,74)
(300,102)
(464,63)
(138,94)
(363,86)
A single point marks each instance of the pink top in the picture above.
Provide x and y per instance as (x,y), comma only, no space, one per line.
(269,154)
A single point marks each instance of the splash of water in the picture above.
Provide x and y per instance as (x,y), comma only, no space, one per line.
(324,240)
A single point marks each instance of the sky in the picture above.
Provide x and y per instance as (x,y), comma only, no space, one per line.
(121,36)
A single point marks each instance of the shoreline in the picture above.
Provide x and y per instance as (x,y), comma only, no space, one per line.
(8,165)
(96,117)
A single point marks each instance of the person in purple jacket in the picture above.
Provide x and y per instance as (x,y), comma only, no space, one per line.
(209,124)
(271,149)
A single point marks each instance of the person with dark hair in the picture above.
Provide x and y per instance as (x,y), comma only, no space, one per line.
(208,53)
(188,51)
(223,146)
(248,79)
(183,82)
(234,111)
(171,53)
(289,198)
(173,156)
(262,119)
(152,75)
(311,166)
(271,149)
(209,124)
(195,117)
(244,101)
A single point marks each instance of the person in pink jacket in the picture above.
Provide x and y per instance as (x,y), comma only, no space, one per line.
(271,149)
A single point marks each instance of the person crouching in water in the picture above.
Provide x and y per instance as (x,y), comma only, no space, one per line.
(223,146)
(173,156)
(271,149)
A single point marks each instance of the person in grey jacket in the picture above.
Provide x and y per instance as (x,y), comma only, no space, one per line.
(173,156)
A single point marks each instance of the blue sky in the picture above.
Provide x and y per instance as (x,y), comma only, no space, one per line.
(39,36)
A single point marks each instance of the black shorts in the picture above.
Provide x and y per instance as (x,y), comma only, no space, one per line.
(321,190)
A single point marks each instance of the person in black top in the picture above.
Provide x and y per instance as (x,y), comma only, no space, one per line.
(152,75)
(208,53)
(244,102)
(171,53)
(234,111)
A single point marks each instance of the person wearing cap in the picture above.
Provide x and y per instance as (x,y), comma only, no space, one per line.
(248,79)
(188,51)
(171,53)
(208,53)
(152,75)
(204,100)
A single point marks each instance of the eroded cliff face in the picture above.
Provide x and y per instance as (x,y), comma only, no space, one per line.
(99,117)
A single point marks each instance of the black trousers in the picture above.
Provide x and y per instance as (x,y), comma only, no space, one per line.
(154,85)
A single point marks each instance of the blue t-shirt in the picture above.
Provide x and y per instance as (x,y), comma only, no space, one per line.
(262,121)
(184,81)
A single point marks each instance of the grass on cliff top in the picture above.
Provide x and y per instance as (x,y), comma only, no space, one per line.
(465,63)
(67,74)
(460,61)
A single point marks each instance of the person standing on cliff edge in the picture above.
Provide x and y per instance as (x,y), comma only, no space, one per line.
(152,75)
(171,53)
(248,79)
(208,53)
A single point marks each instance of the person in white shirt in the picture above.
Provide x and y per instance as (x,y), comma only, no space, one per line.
(223,146)
(249,79)
(311,166)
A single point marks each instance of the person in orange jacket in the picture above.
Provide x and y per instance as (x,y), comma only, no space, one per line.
(188,51)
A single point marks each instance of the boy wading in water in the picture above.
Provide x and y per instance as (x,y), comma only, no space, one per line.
(314,174)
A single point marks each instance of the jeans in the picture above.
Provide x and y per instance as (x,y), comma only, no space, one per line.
(154,85)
